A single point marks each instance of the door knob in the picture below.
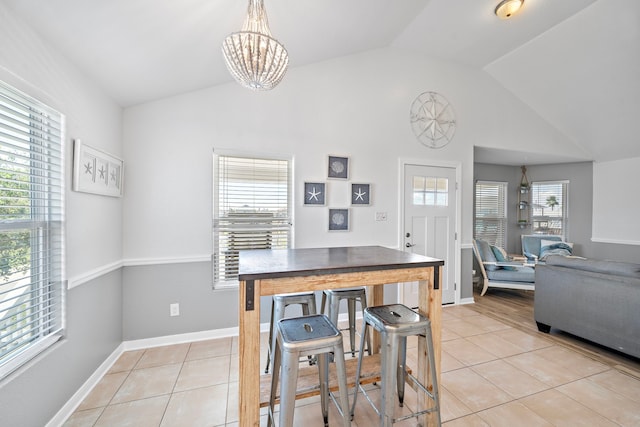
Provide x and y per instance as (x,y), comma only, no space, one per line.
(409,245)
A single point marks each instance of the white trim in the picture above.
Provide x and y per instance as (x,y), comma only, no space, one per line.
(180,338)
(72,404)
(464,301)
(93,274)
(614,241)
(133,262)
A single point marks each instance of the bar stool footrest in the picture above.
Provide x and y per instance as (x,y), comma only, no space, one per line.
(308,378)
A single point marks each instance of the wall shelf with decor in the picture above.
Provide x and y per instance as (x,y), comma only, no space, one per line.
(523,200)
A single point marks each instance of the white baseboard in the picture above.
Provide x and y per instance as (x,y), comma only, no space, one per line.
(466,301)
(65,412)
(181,338)
(72,404)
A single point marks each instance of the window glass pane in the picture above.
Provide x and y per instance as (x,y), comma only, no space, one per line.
(31,228)
(430,191)
(491,212)
(430,184)
(548,207)
(442,188)
(251,210)
(418,183)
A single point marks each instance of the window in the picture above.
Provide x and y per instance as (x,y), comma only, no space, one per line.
(430,191)
(31,228)
(252,210)
(549,207)
(491,212)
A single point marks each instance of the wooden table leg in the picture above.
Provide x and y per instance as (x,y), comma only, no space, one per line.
(375,297)
(249,357)
(430,304)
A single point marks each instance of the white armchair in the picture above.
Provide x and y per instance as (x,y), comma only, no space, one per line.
(501,273)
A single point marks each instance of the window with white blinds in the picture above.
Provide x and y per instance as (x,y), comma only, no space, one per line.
(31,228)
(252,210)
(491,212)
(549,207)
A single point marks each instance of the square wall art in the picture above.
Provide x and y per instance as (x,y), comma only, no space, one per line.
(360,194)
(338,219)
(338,167)
(314,193)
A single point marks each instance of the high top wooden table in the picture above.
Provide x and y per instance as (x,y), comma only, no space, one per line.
(270,272)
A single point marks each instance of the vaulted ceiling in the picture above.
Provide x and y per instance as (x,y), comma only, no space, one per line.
(576,63)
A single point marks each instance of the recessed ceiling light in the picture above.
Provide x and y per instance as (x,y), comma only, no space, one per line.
(506,8)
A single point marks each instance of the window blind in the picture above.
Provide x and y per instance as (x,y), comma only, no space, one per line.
(548,207)
(251,210)
(491,212)
(31,228)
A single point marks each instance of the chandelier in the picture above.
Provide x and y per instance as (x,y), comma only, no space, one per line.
(254,58)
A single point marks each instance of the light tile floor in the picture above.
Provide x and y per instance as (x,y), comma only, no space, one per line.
(492,375)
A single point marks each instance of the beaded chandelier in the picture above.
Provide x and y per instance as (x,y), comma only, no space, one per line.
(254,58)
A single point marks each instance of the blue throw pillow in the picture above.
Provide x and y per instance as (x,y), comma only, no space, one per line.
(552,247)
(501,256)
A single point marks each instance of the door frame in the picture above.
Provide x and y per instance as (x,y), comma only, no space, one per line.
(403,161)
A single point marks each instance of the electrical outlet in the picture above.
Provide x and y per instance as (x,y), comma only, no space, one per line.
(381,216)
(174,309)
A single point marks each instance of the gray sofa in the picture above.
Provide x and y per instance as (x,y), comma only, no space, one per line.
(595,300)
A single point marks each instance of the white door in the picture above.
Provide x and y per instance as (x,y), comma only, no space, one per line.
(430,222)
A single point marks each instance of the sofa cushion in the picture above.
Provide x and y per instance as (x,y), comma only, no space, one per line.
(552,247)
(519,274)
(626,269)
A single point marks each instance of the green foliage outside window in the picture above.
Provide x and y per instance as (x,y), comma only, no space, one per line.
(14,205)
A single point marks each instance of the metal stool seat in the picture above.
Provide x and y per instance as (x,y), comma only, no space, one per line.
(279,303)
(352,296)
(395,323)
(302,336)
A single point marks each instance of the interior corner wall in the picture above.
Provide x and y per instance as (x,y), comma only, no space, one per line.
(355,106)
(584,204)
(511,175)
(580,202)
(578,174)
(586,183)
(32,395)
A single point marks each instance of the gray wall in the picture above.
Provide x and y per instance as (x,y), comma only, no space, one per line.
(31,396)
(580,176)
(466,277)
(511,175)
(148,291)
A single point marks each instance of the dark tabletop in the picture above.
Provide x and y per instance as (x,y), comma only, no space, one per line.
(266,263)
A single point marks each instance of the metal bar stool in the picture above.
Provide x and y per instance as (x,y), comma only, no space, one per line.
(278,305)
(352,296)
(395,323)
(301,336)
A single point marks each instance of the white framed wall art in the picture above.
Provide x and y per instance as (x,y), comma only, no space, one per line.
(96,172)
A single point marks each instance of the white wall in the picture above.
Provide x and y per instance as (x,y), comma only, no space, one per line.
(30,65)
(615,201)
(356,106)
